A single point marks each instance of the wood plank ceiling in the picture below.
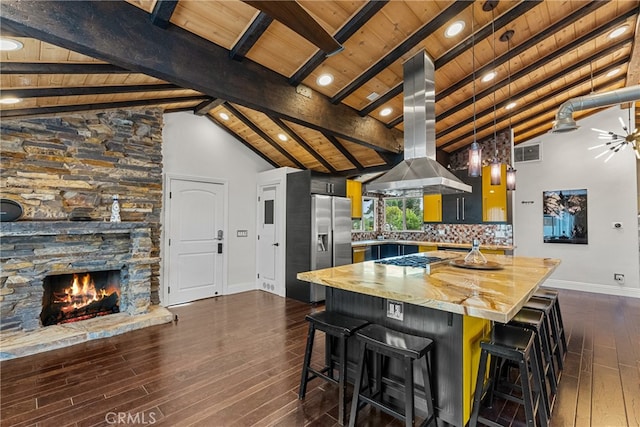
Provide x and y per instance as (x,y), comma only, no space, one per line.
(258,79)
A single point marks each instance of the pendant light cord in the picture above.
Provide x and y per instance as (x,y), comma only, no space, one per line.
(495,131)
(473,67)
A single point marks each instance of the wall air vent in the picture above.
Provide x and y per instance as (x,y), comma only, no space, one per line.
(528,153)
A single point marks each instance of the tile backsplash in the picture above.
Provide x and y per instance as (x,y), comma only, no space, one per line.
(487,234)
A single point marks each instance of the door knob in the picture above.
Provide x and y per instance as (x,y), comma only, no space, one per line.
(276,244)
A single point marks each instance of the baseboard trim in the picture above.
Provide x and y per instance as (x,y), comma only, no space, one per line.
(593,287)
(236,288)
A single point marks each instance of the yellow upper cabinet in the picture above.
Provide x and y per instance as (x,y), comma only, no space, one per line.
(432,208)
(354,192)
(494,197)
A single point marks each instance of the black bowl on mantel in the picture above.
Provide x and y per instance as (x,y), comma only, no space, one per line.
(10,210)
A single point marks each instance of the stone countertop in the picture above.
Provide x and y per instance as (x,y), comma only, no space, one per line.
(488,294)
(427,243)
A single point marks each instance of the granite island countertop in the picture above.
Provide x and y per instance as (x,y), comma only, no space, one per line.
(489,294)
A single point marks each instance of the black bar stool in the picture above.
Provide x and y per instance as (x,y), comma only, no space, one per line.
(514,344)
(546,306)
(341,327)
(534,320)
(554,296)
(381,341)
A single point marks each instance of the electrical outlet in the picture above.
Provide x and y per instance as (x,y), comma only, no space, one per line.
(618,277)
(395,310)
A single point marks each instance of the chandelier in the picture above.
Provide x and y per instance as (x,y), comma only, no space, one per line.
(615,142)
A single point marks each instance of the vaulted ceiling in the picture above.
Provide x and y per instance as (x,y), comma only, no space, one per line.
(258,78)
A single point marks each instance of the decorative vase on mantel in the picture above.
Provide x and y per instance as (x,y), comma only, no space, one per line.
(115,209)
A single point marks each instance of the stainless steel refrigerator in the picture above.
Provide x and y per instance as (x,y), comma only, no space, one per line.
(318,236)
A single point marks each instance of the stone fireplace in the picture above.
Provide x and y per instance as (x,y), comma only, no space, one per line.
(55,167)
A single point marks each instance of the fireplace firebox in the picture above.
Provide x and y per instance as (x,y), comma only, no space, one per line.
(79,296)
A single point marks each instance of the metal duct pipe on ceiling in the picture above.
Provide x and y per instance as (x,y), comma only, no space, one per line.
(564,117)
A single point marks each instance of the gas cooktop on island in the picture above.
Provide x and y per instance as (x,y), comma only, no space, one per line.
(417,261)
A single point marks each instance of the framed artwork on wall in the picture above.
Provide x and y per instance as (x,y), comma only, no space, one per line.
(565,216)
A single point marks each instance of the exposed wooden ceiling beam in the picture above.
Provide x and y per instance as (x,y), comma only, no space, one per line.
(500,22)
(528,107)
(303,144)
(547,82)
(633,71)
(97,106)
(522,47)
(262,134)
(99,29)
(162,11)
(51,68)
(244,142)
(205,106)
(86,90)
(392,93)
(350,28)
(258,26)
(541,62)
(404,47)
(344,151)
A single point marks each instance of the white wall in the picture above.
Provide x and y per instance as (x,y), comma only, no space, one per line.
(612,196)
(194,146)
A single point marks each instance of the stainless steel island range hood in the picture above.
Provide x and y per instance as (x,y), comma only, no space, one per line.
(419,173)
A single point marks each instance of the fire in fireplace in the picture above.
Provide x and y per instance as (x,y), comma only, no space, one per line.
(73,297)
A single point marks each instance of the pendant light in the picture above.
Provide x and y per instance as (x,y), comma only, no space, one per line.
(475,151)
(496,166)
(511,172)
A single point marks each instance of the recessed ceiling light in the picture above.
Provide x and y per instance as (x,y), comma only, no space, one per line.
(10,100)
(618,32)
(282,137)
(386,111)
(489,76)
(223,116)
(454,29)
(10,44)
(510,105)
(325,79)
(613,72)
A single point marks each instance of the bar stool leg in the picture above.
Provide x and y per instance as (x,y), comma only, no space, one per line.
(342,395)
(527,393)
(307,360)
(409,411)
(357,386)
(477,396)
(428,392)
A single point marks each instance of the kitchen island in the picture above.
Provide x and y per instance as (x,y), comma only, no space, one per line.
(454,306)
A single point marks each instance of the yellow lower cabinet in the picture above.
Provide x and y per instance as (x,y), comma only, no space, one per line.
(474,329)
(427,248)
(494,197)
(354,192)
(358,254)
(432,207)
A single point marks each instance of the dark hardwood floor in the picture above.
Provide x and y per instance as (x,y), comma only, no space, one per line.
(235,361)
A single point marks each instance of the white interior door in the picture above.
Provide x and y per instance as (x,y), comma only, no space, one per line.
(196,245)
(270,248)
